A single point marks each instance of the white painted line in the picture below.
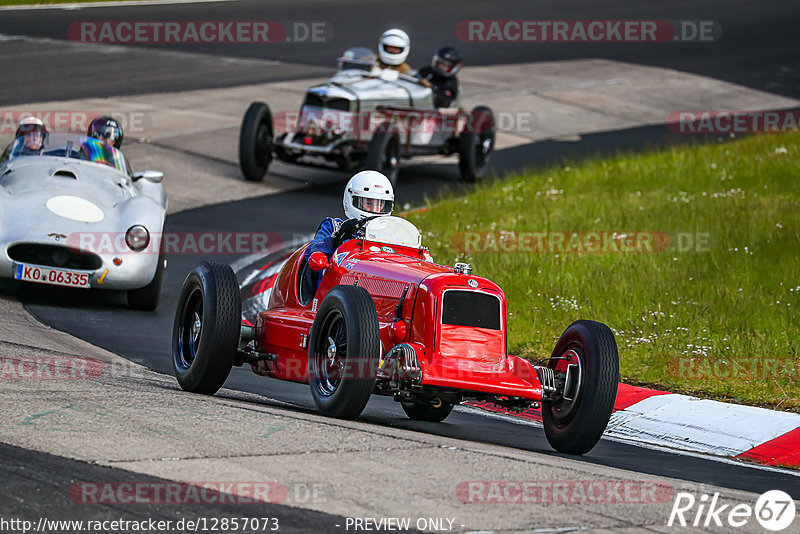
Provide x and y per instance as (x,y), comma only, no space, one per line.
(249,277)
(700,425)
(643,445)
(277,266)
(261,300)
(720,459)
(494,415)
(121,3)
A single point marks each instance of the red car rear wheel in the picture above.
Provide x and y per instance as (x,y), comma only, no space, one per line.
(419,411)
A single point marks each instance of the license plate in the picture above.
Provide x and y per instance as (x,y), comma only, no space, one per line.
(48,275)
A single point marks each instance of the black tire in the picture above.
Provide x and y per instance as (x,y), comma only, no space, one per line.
(384,152)
(203,354)
(342,378)
(475,144)
(255,142)
(419,411)
(574,427)
(148,297)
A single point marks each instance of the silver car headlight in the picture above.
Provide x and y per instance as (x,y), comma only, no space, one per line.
(137,238)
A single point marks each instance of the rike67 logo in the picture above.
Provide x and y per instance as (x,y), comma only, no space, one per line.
(774,510)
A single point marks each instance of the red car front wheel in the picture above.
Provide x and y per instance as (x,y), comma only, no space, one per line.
(585,360)
(344,352)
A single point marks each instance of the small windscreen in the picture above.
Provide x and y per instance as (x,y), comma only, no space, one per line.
(365,66)
(70,145)
(471,308)
(393,231)
(358,58)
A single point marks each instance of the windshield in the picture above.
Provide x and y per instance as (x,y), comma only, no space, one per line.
(357,58)
(72,145)
(393,231)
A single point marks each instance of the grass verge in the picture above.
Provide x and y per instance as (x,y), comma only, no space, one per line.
(698,269)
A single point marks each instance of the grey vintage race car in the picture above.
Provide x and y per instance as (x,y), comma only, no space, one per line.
(72,213)
(366,117)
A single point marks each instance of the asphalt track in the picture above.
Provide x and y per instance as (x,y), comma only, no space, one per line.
(744,56)
(31,478)
(758,48)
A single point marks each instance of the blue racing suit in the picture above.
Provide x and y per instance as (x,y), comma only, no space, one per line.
(323,241)
(326,241)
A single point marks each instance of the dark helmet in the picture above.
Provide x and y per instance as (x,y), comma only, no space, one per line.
(31,124)
(106,129)
(447,61)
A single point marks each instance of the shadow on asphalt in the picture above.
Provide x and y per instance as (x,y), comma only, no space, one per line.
(40,485)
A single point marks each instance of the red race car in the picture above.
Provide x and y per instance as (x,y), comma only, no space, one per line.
(379,317)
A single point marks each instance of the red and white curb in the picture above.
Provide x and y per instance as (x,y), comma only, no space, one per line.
(700,425)
(642,416)
(680,422)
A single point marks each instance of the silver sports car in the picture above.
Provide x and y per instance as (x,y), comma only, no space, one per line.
(72,213)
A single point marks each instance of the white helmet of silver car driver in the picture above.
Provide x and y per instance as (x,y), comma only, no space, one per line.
(394,38)
(367,194)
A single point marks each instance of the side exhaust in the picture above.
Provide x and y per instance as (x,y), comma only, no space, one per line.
(401,364)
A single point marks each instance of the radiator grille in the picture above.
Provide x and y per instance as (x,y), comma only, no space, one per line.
(379,287)
(471,308)
(54,256)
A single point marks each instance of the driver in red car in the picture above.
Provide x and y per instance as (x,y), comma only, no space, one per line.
(367,194)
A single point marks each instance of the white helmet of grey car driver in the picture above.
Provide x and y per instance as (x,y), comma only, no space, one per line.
(367,194)
(394,38)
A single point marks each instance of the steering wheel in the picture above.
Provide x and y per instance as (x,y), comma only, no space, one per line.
(360,224)
(350,228)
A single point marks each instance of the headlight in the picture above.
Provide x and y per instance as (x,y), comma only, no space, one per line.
(137,237)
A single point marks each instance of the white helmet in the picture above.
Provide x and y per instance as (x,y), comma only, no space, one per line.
(28,124)
(368,193)
(397,38)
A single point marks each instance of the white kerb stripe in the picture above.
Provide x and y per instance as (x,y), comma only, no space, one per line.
(700,425)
